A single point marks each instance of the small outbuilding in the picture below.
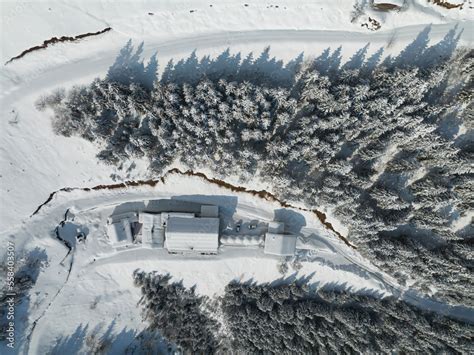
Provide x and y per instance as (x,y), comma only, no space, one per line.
(119,228)
(199,235)
(146,230)
(280,244)
(151,232)
(120,232)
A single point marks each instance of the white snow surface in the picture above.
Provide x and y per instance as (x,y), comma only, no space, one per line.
(34,162)
(92,291)
(32,22)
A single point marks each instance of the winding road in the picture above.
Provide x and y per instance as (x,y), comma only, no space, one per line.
(314,40)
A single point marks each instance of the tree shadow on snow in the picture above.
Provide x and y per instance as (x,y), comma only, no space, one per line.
(95,341)
(267,70)
(263,70)
(129,67)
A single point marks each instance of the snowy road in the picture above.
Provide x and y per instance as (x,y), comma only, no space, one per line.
(65,64)
(310,42)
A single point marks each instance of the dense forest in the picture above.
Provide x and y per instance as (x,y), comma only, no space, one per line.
(291,319)
(176,313)
(386,144)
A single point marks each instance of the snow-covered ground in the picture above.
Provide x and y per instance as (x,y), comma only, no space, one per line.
(34,162)
(93,286)
(35,21)
(99,288)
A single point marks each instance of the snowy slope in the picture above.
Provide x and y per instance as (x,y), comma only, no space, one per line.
(93,285)
(34,162)
(33,22)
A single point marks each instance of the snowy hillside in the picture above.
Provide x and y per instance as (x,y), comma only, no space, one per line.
(34,22)
(348,121)
(65,64)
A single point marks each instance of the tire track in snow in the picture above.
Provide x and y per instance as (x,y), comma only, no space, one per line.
(70,252)
(35,322)
(96,65)
(460,312)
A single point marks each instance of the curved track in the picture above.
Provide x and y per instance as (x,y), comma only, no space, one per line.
(98,64)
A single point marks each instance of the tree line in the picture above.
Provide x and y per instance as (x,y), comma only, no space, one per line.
(292,319)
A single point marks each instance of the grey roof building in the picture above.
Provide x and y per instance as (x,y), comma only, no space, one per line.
(192,235)
(119,229)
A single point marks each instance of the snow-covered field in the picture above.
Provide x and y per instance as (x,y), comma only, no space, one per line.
(97,291)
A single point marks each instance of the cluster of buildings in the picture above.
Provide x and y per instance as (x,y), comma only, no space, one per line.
(183,232)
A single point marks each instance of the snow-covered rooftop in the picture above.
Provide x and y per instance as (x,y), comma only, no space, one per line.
(280,244)
(192,234)
(120,232)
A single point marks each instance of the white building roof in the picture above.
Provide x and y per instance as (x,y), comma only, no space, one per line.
(280,244)
(158,235)
(120,232)
(152,232)
(131,216)
(166,215)
(192,234)
(146,219)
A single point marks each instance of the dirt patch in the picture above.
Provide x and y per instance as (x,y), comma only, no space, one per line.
(385,7)
(372,24)
(153,182)
(58,40)
(446,4)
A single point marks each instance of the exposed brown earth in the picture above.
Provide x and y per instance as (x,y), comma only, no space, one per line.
(446,4)
(153,182)
(58,40)
(385,7)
